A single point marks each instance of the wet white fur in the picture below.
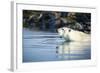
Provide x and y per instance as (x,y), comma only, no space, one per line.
(73,35)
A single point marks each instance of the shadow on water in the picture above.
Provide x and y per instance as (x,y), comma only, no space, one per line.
(42,46)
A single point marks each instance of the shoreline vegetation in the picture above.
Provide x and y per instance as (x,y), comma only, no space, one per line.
(51,21)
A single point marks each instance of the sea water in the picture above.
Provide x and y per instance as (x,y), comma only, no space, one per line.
(39,46)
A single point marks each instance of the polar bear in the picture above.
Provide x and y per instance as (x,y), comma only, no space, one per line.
(73,35)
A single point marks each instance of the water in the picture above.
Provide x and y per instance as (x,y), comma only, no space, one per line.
(46,46)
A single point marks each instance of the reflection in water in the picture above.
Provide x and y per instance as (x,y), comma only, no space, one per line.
(73,50)
(41,46)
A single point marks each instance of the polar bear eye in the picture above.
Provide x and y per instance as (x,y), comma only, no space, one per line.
(69,30)
(62,29)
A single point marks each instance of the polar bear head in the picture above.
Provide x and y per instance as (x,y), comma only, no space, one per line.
(63,30)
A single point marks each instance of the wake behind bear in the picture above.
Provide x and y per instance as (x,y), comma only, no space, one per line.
(73,35)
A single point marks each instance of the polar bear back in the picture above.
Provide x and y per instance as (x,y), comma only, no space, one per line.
(78,36)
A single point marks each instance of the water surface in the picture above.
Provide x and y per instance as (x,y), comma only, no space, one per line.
(47,46)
